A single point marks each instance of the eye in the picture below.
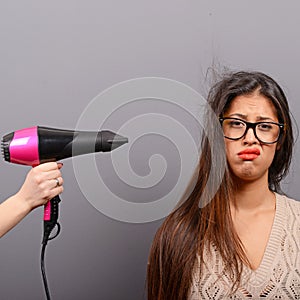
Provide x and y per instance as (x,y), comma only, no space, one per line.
(265,126)
(236,123)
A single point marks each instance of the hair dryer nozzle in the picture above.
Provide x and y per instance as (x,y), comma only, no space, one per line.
(111,140)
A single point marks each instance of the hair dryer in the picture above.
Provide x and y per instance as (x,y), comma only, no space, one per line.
(35,145)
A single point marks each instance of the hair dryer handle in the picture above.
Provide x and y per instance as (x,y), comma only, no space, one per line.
(51,210)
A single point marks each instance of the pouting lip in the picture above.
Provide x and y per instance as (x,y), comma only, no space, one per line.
(250,151)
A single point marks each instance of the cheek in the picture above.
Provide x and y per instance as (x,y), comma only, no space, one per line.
(230,147)
(269,154)
(230,150)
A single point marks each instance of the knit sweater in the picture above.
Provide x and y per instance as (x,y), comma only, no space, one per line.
(278,275)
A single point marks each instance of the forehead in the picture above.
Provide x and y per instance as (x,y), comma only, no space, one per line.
(254,105)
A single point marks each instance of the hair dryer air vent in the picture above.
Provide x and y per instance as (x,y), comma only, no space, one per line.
(5,146)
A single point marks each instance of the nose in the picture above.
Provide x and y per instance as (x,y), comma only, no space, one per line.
(249,137)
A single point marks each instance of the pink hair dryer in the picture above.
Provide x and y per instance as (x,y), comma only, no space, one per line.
(35,145)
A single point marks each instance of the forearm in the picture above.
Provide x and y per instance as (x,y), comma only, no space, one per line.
(12,211)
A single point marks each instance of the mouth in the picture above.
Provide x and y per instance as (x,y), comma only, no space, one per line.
(249,154)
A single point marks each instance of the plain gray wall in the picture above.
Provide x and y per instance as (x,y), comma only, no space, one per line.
(56,56)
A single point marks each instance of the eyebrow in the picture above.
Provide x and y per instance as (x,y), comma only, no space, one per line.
(258,118)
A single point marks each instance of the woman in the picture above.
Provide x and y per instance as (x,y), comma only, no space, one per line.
(245,242)
(42,183)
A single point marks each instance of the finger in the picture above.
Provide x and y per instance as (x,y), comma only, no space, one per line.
(48,175)
(48,166)
(53,174)
(60,165)
(56,191)
(58,182)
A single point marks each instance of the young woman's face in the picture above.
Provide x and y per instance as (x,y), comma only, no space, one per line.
(248,158)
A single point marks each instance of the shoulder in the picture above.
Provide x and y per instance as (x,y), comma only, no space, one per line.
(292,205)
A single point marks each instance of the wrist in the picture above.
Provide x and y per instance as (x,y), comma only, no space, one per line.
(24,204)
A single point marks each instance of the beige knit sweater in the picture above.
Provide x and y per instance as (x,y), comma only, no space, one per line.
(277,277)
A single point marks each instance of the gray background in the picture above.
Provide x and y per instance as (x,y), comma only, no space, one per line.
(56,56)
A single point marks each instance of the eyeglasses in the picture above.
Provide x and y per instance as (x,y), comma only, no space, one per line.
(265,132)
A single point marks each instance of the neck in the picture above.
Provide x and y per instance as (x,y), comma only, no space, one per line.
(253,196)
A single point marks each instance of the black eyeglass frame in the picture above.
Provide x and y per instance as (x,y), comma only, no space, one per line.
(253,126)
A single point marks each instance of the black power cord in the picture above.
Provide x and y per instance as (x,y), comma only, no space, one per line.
(48,227)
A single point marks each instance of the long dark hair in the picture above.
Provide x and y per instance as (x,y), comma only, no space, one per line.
(187,231)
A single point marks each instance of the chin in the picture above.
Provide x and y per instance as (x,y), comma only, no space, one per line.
(248,174)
